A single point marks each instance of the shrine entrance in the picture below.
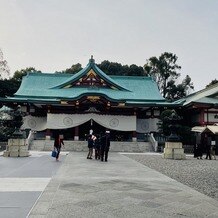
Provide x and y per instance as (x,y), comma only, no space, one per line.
(91,126)
(96,129)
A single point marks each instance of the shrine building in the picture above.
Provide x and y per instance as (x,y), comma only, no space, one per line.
(90,101)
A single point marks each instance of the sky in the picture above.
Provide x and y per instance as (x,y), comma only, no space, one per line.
(52,35)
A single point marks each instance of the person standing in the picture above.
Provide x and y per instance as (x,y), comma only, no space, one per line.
(97,147)
(199,151)
(213,149)
(208,147)
(58,142)
(105,146)
(90,147)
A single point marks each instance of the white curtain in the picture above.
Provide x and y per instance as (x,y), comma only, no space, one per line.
(122,123)
(34,123)
(64,121)
(147,125)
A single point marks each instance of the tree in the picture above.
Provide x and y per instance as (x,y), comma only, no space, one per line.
(111,68)
(163,70)
(23,72)
(10,123)
(165,126)
(75,68)
(212,83)
(135,70)
(8,87)
(114,68)
(4,69)
(175,92)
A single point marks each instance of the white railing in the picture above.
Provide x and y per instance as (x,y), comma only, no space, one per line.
(153,142)
(30,138)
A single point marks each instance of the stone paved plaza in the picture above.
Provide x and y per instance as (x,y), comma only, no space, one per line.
(78,187)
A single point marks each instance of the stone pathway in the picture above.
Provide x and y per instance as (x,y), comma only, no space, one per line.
(120,187)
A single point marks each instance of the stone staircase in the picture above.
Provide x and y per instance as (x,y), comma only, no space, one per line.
(47,145)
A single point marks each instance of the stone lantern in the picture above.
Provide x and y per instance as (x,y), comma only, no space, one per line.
(17,146)
(173,146)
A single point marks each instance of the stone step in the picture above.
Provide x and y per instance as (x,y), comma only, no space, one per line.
(47,145)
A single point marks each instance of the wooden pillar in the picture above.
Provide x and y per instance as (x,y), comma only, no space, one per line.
(76,133)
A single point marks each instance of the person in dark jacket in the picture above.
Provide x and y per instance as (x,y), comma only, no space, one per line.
(90,147)
(199,150)
(105,146)
(208,147)
(97,147)
(58,142)
(213,150)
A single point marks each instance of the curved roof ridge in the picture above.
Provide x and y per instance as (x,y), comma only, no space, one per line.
(109,79)
(206,89)
(98,71)
(73,78)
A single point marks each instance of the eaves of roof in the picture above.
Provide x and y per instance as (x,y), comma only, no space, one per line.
(203,101)
(210,92)
(29,100)
(152,103)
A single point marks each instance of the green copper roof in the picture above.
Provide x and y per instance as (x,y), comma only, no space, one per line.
(36,85)
(208,95)
(207,100)
(54,87)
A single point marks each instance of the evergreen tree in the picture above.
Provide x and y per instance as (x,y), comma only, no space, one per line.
(10,122)
(164,70)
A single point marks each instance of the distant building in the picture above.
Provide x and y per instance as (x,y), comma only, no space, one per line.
(201,108)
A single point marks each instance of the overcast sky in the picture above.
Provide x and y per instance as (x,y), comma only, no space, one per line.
(51,35)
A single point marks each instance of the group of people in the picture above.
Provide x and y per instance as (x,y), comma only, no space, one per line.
(100,144)
(204,143)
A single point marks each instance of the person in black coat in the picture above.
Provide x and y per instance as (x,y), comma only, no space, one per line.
(58,142)
(208,147)
(97,147)
(199,150)
(105,146)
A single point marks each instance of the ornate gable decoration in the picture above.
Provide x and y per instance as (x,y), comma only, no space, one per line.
(91,79)
(91,76)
